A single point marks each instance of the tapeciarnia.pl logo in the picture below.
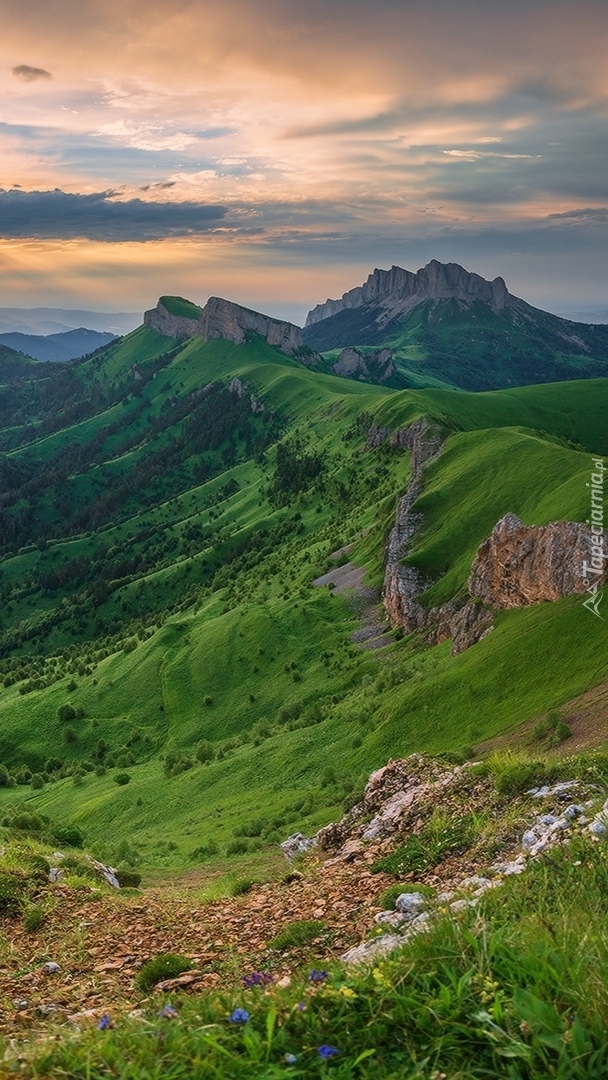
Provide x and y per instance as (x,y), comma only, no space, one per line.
(594,569)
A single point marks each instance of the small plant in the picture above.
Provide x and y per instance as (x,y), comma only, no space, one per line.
(161,967)
(70,835)
(242,886)
(442,836)
(298,933)
(33,919)
(122,778)
(11,894)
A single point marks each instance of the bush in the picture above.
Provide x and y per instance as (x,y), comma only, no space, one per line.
(37,782)
(297,933)
(128,879)
(66,712)
(205,851)
(70,835)
(122,778)
(161,967)
(204,751)
(237,847)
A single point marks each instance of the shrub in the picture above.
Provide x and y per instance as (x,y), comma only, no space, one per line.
(128,879)
(297,933)
(205,851)
(204,751)
(66,712)
(237,847)
(37,782)
(161,967)
(122,778)
(70,835)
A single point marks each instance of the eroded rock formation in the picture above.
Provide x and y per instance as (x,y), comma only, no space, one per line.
(354,364)
(519,565)
(223,319)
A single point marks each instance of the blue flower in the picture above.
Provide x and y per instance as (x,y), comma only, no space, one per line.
(239,1016)
(325,1051)
(168,1012)
(257,978)
(104,1023)
(290,1059)
(317,976)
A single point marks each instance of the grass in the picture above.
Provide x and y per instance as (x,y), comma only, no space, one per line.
(161,967)
(297,933)
(257,663)
(515,988)
(442,836)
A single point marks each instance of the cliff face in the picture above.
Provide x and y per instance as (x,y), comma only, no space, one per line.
(398,291)
(519,565)
(173,326)
(516,566)
(353,364)
(223,319)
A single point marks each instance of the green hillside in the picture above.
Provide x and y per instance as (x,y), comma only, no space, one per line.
(471,346)
(166,508)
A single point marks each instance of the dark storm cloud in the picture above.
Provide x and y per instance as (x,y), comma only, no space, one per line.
(30,74)
(61,215)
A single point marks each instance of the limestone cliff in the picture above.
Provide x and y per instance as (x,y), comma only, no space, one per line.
(354,364)
(223,319)
(519,565)
(398,291)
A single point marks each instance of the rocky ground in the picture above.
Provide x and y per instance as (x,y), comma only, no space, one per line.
(84,959)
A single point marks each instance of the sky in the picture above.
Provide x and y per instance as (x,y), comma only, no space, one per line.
(275,151)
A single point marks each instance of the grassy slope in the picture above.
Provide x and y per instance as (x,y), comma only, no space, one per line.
(273,617)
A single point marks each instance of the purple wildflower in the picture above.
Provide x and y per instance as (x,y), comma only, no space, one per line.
(317,976)
(325,1051)
(168,1012)
(104,1022)
(239,1016)
(257,978)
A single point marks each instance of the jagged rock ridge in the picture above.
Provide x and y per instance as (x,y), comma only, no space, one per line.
(222,319)
(397,291)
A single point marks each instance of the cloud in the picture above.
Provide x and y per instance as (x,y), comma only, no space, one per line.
(99,216)
(30,74)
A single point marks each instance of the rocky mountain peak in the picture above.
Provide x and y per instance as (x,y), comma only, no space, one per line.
(398,291)
(223,319)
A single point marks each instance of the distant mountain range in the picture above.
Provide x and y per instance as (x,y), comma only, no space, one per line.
(446,326)
(45,320)
(65,346)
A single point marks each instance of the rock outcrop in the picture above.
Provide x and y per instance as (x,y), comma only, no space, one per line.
(464,622)
(398,291)
(354,364)
(223,319)
(163,322)
(519,565)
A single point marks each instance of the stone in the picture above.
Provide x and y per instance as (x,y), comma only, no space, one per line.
(390,918)
(374,949)
(297,844)
(51,968)
(598,828)
(410,904)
